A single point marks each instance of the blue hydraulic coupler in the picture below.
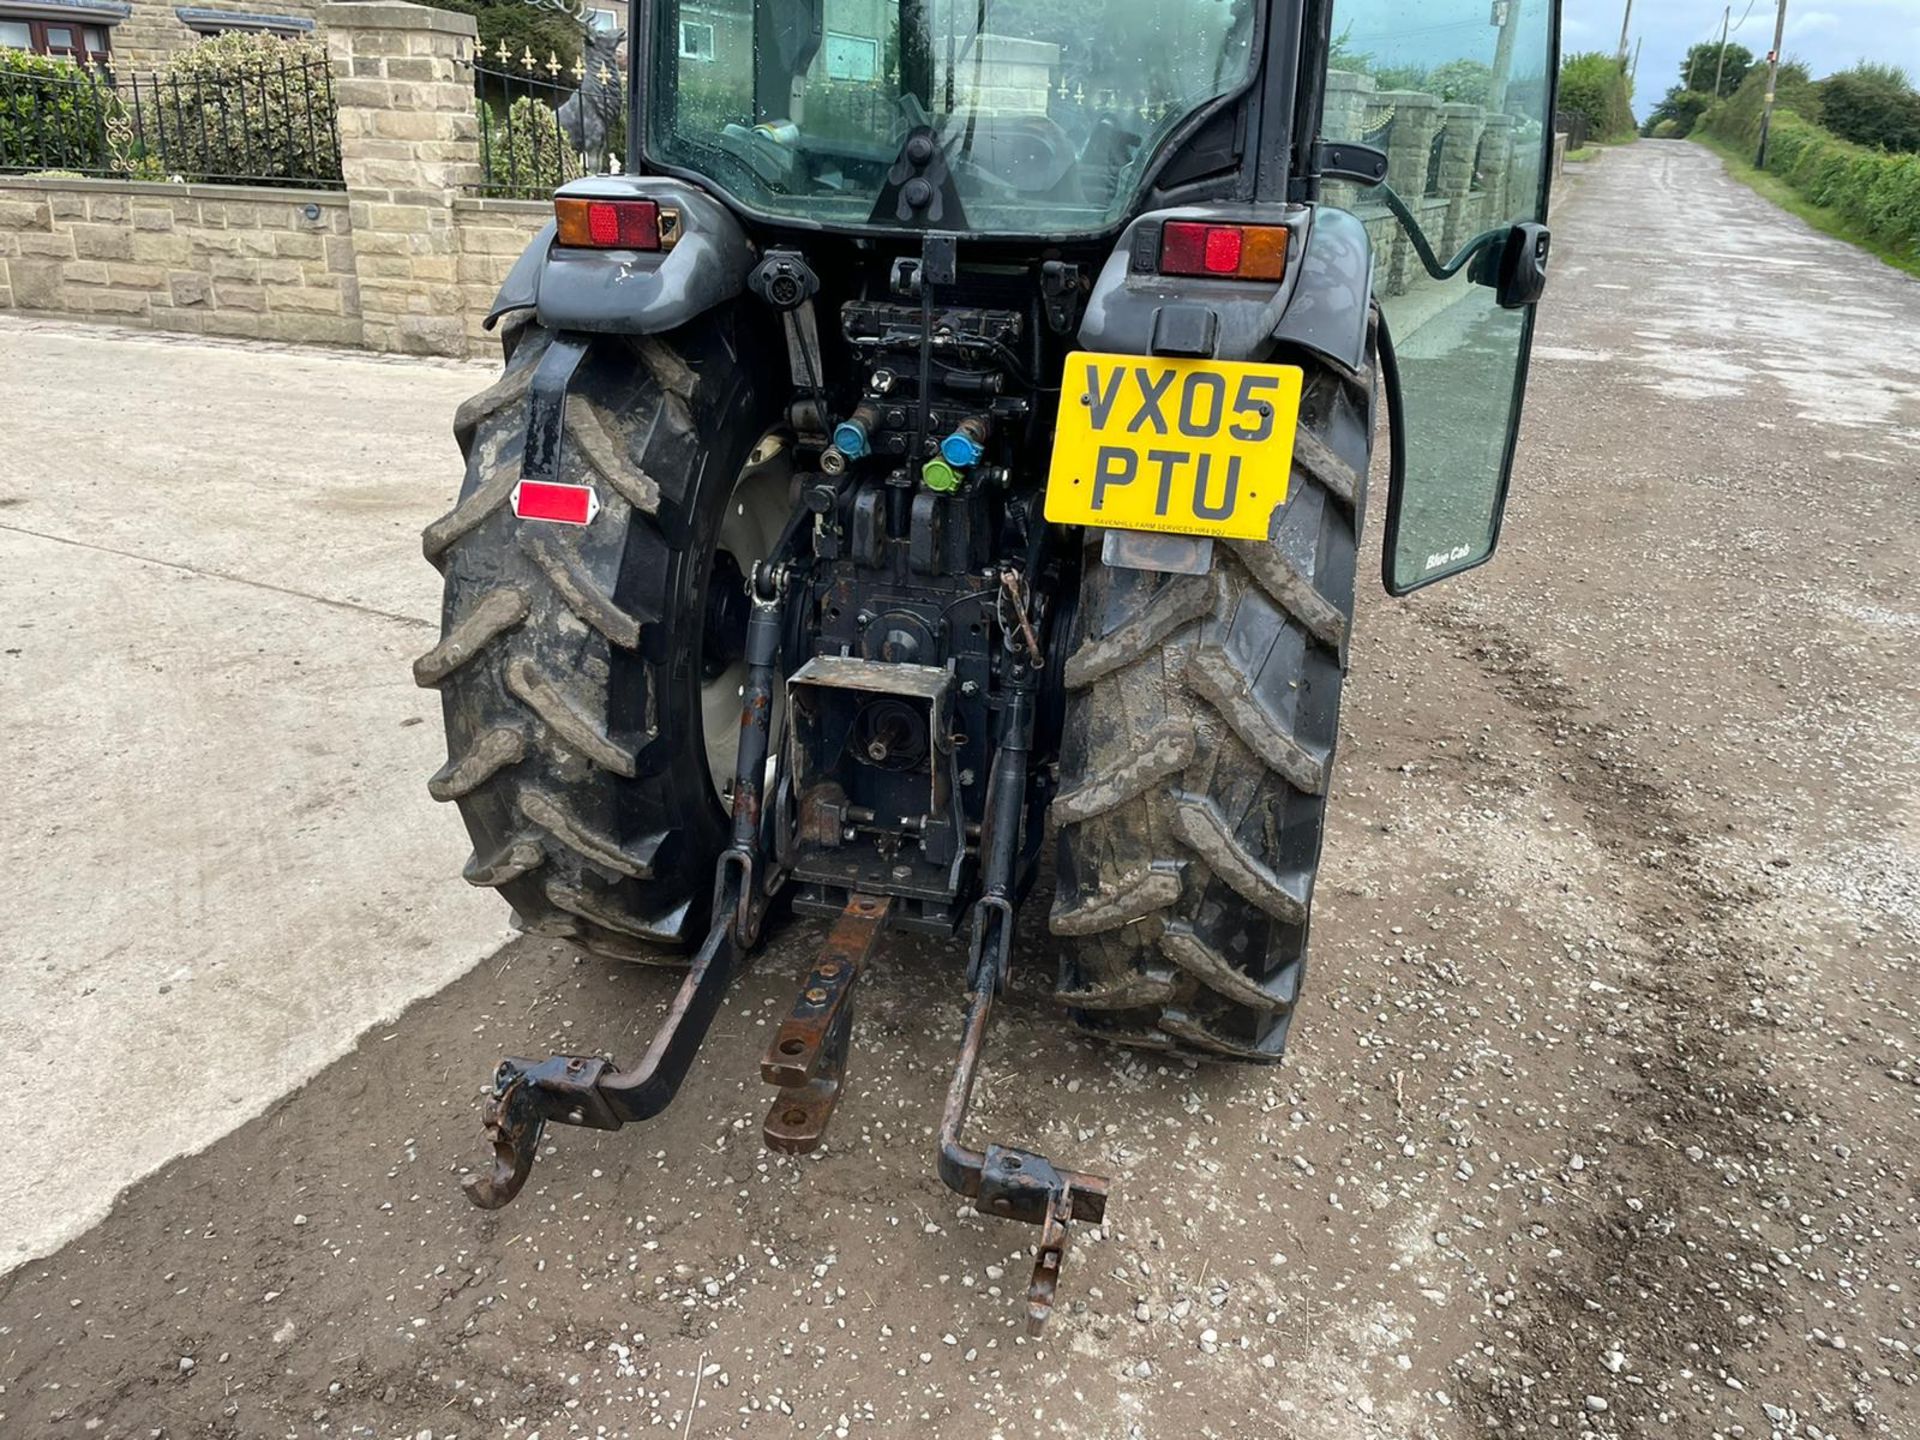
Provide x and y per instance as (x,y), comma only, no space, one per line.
(968,442)
(851,435)
(850,438)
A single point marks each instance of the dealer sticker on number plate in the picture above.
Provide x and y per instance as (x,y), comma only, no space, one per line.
(1192,447)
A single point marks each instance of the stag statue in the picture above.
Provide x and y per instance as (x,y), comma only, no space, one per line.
(590,112)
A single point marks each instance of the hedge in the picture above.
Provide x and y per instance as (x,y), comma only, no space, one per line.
(245,107)
(528,155)
(1736,119)
(1596,86)
(51,113)
(1879,192)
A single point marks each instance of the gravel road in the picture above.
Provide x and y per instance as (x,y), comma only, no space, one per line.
(1602,1112)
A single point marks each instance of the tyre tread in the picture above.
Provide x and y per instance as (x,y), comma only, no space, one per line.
(1247,661)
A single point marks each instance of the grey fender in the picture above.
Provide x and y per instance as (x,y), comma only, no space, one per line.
(1328,311)
(1321,304)
(632,292)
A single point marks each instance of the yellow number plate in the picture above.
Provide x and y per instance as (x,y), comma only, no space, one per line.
(1193,447)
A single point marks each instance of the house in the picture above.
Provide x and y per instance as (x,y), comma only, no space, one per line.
(138,34)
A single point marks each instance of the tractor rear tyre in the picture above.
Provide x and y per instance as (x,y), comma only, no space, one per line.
(1201,717)
(589,674)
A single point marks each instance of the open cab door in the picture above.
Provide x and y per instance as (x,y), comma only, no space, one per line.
(1457,97)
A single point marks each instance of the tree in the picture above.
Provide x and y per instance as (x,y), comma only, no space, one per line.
(1872,105)
(1467,82)
(521,28)
(1703,60)
(1595,85)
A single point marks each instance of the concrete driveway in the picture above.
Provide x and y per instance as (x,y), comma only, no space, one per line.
(221,861)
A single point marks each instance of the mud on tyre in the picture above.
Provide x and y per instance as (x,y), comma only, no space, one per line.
(574,660)
(1201,717)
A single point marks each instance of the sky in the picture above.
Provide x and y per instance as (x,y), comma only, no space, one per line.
(1827,35)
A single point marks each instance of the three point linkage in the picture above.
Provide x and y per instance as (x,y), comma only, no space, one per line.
(806,1059)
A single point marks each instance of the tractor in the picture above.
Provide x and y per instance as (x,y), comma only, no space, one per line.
(942,449)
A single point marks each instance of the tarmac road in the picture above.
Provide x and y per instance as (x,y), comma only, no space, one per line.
(1602,1111)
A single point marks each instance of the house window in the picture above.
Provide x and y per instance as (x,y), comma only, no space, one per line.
(852,57)
(86,43)
(225,22)
(696,40)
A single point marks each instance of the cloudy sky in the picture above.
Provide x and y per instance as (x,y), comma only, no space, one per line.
(1828,35)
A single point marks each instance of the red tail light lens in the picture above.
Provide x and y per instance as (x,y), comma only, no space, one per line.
(1240,252)
(607,224)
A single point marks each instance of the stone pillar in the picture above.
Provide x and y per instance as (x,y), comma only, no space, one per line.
(409,147)
(1496,165)
(1416,117)
(1459,156)
(1348,94)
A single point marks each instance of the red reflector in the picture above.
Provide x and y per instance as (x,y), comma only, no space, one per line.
(603,224)
(566,504)
(633,224)
(1222,256)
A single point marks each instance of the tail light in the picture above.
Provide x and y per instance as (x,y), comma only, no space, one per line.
(1227,252)
(607,224)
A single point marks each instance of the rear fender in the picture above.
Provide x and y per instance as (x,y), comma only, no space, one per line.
(1320,305)
(631,292)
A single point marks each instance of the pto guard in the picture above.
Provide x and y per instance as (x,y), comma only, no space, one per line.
(631,292)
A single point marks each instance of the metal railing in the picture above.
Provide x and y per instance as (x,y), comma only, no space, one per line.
(270,124)
(1572,124)
(545,121)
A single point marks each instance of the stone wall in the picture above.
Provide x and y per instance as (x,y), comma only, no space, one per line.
(214,259)
(492,233)
(231,260)
(402,259)
(1009,76)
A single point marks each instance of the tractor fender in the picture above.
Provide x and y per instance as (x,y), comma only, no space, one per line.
(631,292)
(1320,305)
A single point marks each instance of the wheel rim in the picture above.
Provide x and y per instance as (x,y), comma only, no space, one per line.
(756,511)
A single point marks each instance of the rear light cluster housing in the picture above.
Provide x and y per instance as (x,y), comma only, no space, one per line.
(1218,251)
(593,224)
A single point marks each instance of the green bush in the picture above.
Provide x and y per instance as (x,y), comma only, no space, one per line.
(1678,112)
(52,113)
(528,154)
(243,107)
(1872,105)
(1736,119)
(1596,86)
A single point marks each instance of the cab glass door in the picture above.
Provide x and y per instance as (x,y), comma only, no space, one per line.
(1459,96)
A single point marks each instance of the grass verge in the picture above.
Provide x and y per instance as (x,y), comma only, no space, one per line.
(1826,221)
